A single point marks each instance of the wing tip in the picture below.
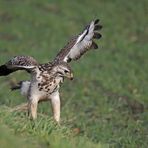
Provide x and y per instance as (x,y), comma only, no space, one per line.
(97,35)
(98,27)
(4,71)
(94,45)
(96,21)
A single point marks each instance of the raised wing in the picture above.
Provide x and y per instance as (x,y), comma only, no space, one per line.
(81,43)
(18,63)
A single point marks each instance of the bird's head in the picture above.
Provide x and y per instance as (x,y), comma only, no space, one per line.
(62,69)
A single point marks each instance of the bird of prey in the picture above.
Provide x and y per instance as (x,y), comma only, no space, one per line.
(46,78)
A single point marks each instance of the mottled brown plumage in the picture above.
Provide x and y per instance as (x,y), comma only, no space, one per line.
(46,78)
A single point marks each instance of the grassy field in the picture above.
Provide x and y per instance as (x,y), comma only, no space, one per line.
(107,103)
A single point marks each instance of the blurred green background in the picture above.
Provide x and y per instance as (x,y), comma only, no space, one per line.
(107,103)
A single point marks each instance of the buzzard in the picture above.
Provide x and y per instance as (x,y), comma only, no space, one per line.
(46,78)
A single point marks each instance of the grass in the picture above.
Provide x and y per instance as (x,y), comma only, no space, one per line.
(106,104)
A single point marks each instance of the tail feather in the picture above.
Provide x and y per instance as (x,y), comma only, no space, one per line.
(23,86)
(15,87)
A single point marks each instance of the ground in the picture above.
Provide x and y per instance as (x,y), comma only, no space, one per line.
(106,104)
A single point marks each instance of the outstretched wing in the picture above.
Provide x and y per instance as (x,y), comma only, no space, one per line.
(81,43)
(18,63)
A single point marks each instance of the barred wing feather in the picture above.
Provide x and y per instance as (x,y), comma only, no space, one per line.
(18,63)
(78,45)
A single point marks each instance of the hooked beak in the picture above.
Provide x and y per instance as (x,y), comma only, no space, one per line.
(70,76)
